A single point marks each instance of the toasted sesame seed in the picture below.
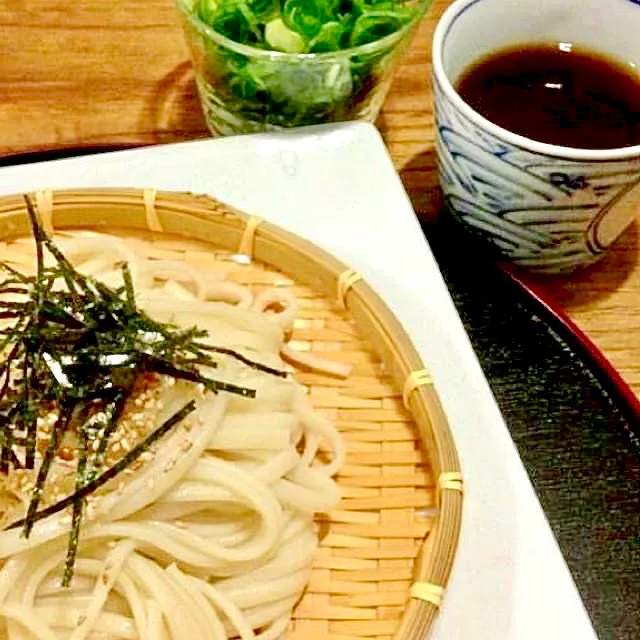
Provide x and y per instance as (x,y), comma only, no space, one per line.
(169,465)
(66,453)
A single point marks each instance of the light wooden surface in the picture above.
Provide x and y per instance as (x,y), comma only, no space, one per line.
(89,73)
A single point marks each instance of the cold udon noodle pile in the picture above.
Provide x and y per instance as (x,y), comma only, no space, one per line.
(213,535)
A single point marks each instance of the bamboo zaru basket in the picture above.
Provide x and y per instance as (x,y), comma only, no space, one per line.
(387,550)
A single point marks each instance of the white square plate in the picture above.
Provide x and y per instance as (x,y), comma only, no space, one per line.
(337,187)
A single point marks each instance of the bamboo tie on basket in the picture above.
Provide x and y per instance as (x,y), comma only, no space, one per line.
(346,280)
(153,222)
(248,235)
(414,380)
(451,480)
(428,592)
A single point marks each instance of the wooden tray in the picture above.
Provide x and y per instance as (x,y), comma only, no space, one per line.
(387,551)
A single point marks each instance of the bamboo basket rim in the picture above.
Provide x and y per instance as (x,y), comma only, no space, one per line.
(172,212)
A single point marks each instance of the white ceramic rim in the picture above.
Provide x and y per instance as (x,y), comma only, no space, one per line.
(570,153)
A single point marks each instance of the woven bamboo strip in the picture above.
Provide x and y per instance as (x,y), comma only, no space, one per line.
(392,527)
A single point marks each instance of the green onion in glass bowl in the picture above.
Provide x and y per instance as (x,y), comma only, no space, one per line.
(262,65)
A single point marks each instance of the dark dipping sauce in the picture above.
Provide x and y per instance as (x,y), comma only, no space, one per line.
(557,93)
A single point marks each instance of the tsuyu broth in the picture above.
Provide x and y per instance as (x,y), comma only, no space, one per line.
(557,93)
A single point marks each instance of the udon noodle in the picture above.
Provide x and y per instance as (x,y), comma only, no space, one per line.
(212,534)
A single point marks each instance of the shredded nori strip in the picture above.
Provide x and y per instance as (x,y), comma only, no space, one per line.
(80,349)
(240,358)
(127,460)
(128,287)
(76,514)
(192,376)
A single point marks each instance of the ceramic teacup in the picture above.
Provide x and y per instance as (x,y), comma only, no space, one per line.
(545,207)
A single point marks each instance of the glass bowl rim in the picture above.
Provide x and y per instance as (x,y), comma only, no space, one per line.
(245,49)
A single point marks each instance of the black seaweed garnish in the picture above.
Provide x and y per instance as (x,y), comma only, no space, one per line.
(77,349)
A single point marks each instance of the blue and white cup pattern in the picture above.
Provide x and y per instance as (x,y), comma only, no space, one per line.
(542,212)
(543,207)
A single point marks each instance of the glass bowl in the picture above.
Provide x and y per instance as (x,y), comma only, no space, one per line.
(246,89)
